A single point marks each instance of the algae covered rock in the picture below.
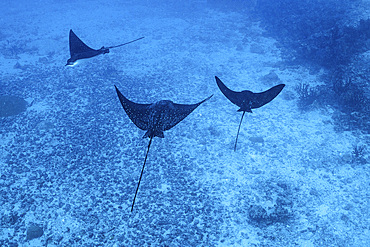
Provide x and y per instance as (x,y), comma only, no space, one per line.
(11,105)
(34,231)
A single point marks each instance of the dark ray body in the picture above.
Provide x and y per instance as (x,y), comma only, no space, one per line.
(247,100)
(79,50)
(155,118)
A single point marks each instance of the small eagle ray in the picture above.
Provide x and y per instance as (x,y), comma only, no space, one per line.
(248,100)
(79,50)
(155,118)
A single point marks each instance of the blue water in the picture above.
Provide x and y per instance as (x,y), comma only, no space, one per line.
(70,157)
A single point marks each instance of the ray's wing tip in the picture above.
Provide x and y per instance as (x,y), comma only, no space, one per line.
(120,95)
(280,87)
(117,90)
(205,99)
(218,79)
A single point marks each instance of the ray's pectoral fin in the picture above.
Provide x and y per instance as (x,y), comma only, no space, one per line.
(233,96)
(180,111)
(267,96)
(79,50)
(139,114)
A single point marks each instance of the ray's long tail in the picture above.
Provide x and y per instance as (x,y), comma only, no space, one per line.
(141,175)
(236,141)
(115,46)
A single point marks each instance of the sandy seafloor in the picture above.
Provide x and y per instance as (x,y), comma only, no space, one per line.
(71,162)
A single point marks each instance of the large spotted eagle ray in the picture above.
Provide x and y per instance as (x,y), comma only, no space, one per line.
(248,100)
(155,118)
(79,50)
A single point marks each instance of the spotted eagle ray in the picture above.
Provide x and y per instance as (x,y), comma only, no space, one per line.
(248,100)
(79,50)
(155,118)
